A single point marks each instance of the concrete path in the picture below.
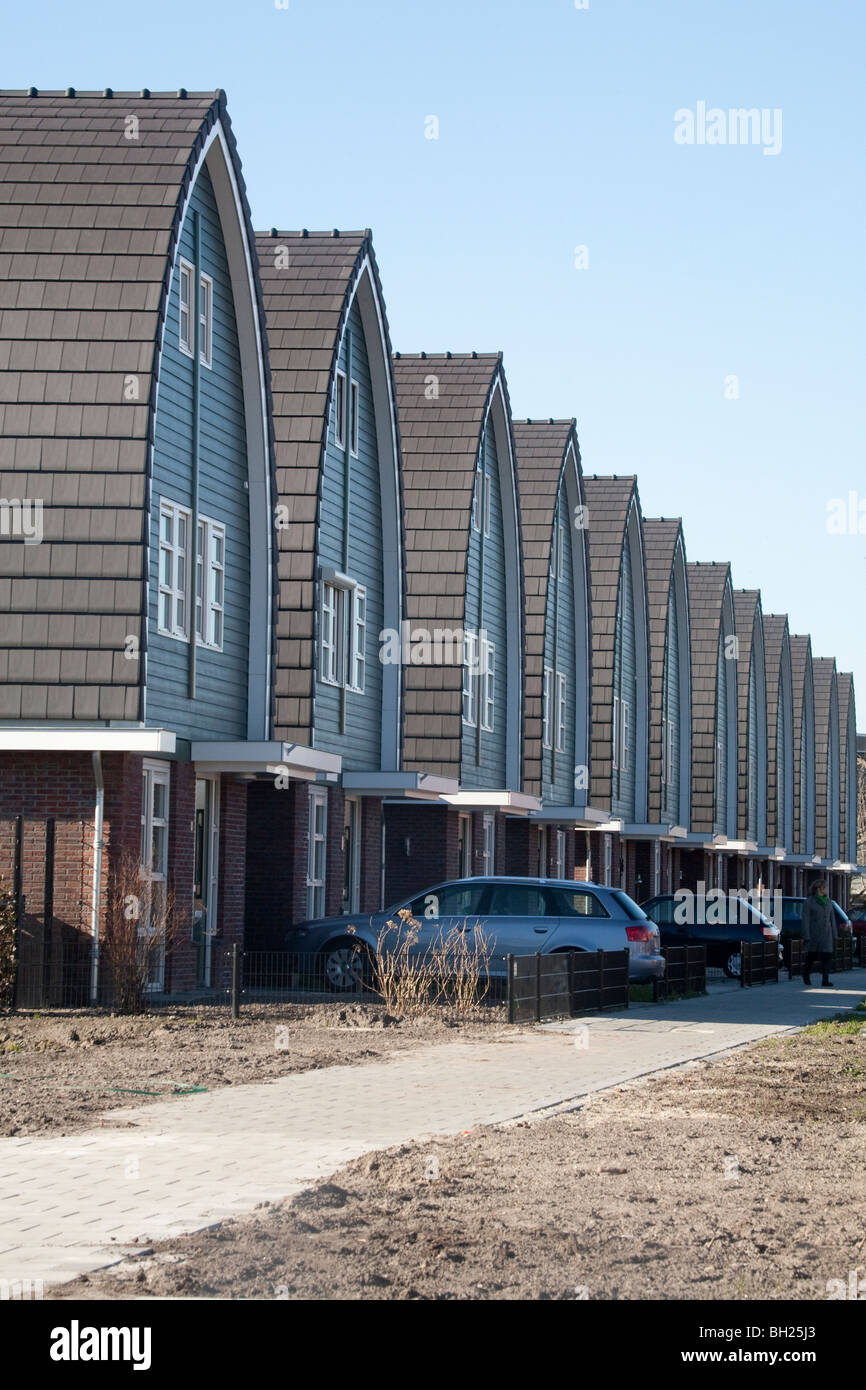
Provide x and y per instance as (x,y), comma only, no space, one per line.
(70,1204)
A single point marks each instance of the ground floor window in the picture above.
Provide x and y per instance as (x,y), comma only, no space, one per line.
(317,851)
(464,845)
(489,848)
(154,860)
(559,855)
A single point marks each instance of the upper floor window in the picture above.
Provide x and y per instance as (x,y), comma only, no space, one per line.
(562,551)
(354,417)
(547,708)
(187,313)
(470,678)
(477,497)
(488,688)
(174,528)
(343,633)
(340,410)
(486,480)
(210,582)
(561,701)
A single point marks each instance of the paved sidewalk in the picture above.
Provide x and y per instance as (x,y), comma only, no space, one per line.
(71,1204)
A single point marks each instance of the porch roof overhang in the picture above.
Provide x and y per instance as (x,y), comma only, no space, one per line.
(399,786)
(578,817)
(511,802)
(265,758)
(801,859)
(743,847)
(775,852)
(701,839)
(639,830)
(134,738)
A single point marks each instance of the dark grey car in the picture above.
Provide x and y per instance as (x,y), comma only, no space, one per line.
(517,916)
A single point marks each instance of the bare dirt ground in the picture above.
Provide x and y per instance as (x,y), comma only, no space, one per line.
(741,1178)
(60,1071)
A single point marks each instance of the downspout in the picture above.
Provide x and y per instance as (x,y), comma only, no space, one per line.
(192,544)
(98,823)
(348,427)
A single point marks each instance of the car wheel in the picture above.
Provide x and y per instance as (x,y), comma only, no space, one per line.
(346,966)
(733,965)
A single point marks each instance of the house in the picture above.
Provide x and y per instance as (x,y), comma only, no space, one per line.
(803,855)
(137,642)
(314,846)
(750,666)
(780,752)
(556,607)
(827,770)
(463,706)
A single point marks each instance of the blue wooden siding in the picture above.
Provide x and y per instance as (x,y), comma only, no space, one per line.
(361,743)
(782,827)
(671,804)
(752,756)
(559,654)
(805,844)
(624,686)
(220,707)
(720,824)
(485,609)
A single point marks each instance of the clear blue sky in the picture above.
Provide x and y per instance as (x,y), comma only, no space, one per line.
(556,130)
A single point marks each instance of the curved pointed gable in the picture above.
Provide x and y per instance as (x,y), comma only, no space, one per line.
(664,547)
(848,769)
(804,744)
(780,760)
(826,757)
(310,282)
(615,522)
(94,190)
(443,402)
(712,620)
(543,450)
(751,717)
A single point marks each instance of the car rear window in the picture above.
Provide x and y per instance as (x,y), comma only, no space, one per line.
(628,905)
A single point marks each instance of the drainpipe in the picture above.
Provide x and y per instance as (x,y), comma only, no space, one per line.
(98,822)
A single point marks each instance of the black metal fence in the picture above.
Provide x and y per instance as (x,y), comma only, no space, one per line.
(564,984)
(759,963)
(685,972)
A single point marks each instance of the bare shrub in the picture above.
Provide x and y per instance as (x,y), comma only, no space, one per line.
(141,926)
(404,976)
(462,960)
(8,946)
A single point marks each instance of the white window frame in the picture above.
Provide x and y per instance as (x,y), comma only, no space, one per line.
(487,489)
(317,800)
(615,734)
(561,561)
(341,401)
(669,758)
(488,687)
(206,321)
(153,774)
(186,281)
(559,855)
(625,733)
(210,593)
(342,632)
(186,342)
(547,709)
(488,853)
(607,870)
(354,415)
(561,707)
(477,497)
(178,591)
(470,678)
(465,839)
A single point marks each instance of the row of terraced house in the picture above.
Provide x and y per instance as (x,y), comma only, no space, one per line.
(308,624)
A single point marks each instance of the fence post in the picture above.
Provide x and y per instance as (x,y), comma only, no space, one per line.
(601,979)
(236,980)
(742,965)
(571,982)
(509,966)
(538,986)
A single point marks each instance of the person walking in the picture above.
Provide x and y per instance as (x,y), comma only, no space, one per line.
(819,932)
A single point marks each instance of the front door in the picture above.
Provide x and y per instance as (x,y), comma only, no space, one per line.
(351,855)
(204,920)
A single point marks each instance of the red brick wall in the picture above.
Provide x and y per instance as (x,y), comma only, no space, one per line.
(277,828)
(334,862)
(433,856)
(371,854)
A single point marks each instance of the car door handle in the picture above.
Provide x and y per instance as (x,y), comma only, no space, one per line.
(541,930)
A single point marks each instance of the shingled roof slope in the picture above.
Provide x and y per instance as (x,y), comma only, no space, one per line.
(747,619)
(308,279)
(90,219)
(542,448)
(845,687)
(442,401)
(824,677)
(777,658)
(707,585)
(661,536)
(608,500)
(803,686)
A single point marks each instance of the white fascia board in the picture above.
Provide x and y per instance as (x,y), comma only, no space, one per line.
(700,839)
(582,817)
(261,756)
(610,827)
(415,785)
(153,742)
(640,830)
(516,803)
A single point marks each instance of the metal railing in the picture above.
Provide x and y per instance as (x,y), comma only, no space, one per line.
(565,983)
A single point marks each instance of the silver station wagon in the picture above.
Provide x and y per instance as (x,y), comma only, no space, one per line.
(515,916)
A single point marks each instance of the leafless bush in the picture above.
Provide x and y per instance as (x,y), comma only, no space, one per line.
(462,959)
(141,926)
(8,947)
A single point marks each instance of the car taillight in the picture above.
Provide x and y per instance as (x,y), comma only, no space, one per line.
(770,932)
(638,933)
